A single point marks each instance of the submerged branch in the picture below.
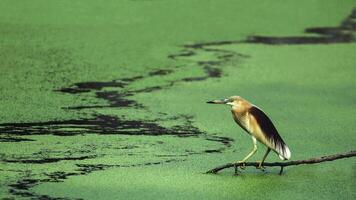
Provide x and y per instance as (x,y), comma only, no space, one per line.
(285,164)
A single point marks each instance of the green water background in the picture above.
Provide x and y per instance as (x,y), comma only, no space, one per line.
(307,90)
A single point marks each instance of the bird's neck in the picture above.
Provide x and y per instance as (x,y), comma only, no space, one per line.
(241,108)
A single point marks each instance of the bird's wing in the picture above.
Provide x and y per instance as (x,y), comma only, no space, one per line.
(270,133)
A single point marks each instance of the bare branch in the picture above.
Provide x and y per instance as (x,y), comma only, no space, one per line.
(285,164)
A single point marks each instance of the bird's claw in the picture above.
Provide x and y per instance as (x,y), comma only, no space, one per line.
(241,164)
(261,167)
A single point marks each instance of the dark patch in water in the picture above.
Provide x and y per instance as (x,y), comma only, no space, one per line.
(344,33)
(88,86)
(115,98)
(214,151)
(14,139)
(213,43)
(119,97)
(199,78)
(82,87)
(128,147)
(213,72)
(47,160)
(298,40)
(22,186)
(213,68)
(149,89)
(101,124)
(224,140)
(88,168)
(186,53)
(175,155)
(160,72)
(59,176)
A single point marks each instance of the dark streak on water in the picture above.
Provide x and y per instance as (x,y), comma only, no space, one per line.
(101,124)
(344,33)
(207,44)
(22,186)
(114,98)
(183,53)
(46,160)
(213,150)
(211,68)
(14,139)
(160,72)
(224,140)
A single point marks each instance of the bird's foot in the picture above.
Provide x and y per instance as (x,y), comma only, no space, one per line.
(241,164)
(260,166)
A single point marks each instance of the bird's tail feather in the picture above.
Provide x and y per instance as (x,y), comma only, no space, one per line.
(284,152)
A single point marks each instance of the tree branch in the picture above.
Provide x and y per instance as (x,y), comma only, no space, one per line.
(285,164)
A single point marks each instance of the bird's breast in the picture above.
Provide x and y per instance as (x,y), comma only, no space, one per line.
(242,120)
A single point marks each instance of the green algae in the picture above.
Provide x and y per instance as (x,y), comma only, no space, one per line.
(306,89)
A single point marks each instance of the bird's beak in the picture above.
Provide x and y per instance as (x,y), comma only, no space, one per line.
(221,101)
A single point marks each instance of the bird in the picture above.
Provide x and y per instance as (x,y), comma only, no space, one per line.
(256,123)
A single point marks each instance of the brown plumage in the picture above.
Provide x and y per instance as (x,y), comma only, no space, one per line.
(256,123)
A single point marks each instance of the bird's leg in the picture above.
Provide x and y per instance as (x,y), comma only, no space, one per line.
(260,166)
(242,162)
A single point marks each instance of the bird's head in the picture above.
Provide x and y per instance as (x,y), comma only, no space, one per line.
(233,101)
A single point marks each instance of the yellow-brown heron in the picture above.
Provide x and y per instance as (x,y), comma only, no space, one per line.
(256,123)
